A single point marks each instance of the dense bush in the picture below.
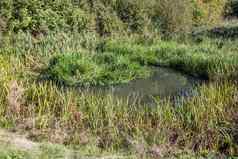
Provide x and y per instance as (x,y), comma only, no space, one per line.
(42,15)
(106,16)
(171,16)
(208,11)
(106,19)
(131,13)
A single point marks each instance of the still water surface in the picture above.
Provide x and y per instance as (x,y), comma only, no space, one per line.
(163,83)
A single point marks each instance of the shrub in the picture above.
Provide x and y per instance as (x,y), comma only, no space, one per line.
(172,17)
(79,20)
(107,21)
(35,15)
(208,12)
(130,12)
(106,16)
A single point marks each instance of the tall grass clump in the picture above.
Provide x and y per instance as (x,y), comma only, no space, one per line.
(101,69)
(24,44)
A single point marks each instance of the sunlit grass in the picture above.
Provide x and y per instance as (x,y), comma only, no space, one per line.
(205,59)
(201,124)
(104,69)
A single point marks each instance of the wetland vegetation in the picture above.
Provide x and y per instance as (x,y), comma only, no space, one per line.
(53,52)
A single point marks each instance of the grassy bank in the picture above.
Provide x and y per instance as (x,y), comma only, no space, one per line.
(204,124)
(84,59)
(208,58)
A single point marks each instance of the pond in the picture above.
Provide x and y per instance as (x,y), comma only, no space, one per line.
(163,83)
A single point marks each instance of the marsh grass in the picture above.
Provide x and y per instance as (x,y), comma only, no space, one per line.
(101,69)
(49,112)
(204,123)
(208,59)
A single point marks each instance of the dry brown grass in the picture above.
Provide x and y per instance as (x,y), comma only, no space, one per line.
(15,99)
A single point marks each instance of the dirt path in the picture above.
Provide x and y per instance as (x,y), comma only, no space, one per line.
(20,142)
(17,140)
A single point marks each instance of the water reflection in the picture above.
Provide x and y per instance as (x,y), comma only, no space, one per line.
(163,83)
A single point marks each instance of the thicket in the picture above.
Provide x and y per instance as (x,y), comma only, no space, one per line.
(106,17)
(208,12)
(232,8)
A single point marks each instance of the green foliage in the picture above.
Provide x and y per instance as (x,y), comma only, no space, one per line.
(13,154)
(107,17)
(101,69)
(208,12)
(173,16)
(107,21)
(202,123)
(41,16)
(73,68)
(131,13)
(210,59)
